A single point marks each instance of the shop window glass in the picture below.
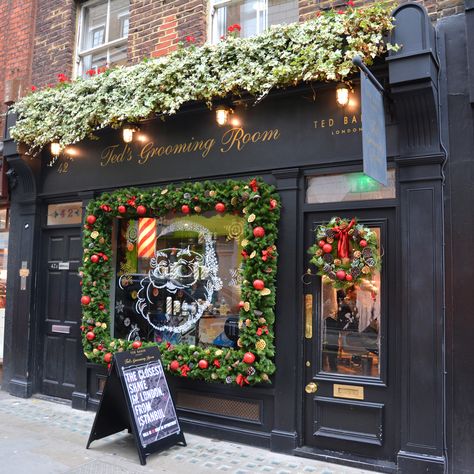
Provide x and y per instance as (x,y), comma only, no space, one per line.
(104,27)
(254,16)
(351,322)
(178,279)
(348,187)
(65,213)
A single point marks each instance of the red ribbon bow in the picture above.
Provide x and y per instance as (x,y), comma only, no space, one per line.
(184,370)
(241,380)
(343,236)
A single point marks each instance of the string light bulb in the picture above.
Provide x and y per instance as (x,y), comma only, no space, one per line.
(342,94)
(222,115)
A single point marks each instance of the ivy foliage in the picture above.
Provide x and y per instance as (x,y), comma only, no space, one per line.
(286,55)
(258,203)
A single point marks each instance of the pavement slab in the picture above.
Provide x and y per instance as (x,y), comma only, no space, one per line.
(44,437)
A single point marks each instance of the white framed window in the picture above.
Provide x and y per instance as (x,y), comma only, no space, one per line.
(102,35)
(253,16)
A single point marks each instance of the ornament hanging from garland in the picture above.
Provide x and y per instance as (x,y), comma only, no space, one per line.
(346,252)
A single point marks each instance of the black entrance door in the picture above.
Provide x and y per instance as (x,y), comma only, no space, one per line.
(350,388)
(60,310)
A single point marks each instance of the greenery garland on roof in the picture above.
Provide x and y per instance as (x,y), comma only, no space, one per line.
(286,55)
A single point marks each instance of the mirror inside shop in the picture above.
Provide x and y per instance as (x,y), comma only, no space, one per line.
(178,279)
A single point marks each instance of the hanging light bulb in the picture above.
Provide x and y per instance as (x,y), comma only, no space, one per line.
(222,115)
(127,133)
(342,94)
(55,149)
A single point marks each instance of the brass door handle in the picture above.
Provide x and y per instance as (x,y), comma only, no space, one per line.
(311,388)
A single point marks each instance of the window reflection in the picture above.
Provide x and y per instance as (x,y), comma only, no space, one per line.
(351,327)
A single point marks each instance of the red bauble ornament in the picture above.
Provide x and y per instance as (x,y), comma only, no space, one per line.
(94,258)
(363,243)
(141,210)
(203,364)
(185,209)
(91,219)
(108,357)
(259,284)
(321,243)
(273,203)
(136,344)
(174,365)
(90,336)
(258,232)
(101,306)
(220,207)
(327,248)
(85,300)
(348,277)
(122,209)
(341,275)
(249,358)
(105,257)
(241,304)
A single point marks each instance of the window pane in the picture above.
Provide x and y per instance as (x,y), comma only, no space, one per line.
(351,321)
(93,25)
(254,16)
(119,19)
(348,187)
(178,279)
(282,11)
(118,55)
(64,214)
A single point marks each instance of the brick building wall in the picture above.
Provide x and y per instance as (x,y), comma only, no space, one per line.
(16,40)
(54,41)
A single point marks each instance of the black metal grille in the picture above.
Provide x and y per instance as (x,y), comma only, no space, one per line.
(227,407)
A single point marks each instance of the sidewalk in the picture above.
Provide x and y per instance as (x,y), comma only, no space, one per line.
(42,437)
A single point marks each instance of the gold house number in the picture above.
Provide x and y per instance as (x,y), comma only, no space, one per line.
(63,167)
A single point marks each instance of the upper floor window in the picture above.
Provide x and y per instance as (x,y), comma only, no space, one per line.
(103,32)
(254,16)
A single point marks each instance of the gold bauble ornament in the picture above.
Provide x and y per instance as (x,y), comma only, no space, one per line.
(260,345)
(244,243)
(197,209)
(365,270)
(265,377)
(212,193)
(251,218)
(246,306)
(214,376)
(262,320)
(104,326)
(248,322)
(218,353)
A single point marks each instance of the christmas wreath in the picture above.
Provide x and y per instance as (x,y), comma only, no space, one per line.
(345,252)
(251,362)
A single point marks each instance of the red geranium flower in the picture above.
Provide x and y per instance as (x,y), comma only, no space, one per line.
(237,26)
(91,72)
(62,78)
(230,29)
(340,12)
(350,3)
(190,39)
(33,88)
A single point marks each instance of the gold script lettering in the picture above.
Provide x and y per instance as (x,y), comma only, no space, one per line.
(237,138)
(115,154)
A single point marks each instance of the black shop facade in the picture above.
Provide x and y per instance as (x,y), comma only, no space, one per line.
(162,232)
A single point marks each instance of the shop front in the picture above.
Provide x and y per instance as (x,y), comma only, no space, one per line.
(353,373)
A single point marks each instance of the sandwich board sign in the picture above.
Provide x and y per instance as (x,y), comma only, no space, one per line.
(136,397)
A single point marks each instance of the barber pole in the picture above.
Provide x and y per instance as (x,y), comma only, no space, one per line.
(146,237)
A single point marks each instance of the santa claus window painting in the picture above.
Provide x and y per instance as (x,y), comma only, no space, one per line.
(178,279)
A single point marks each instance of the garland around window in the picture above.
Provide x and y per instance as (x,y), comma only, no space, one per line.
(283,56)
(252,362)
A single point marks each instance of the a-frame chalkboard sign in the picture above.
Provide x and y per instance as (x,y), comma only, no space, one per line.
(136,397)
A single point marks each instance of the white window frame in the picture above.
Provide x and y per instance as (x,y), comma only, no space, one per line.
(105,47)
(220,6)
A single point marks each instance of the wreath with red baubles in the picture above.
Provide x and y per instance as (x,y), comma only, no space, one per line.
(345,252)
